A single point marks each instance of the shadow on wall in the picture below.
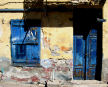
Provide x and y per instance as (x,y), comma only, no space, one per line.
(31,5)
(50,16)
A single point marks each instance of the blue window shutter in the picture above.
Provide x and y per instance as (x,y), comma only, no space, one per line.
(33,51)
(25,45)
(16,30)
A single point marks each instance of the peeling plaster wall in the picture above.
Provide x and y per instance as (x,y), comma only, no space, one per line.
(56,47)
(105,43)
(60,70)
(57,36)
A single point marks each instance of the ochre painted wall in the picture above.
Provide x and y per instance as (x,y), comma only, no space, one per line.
(105,44)
(4,4)
(5,50)
(105,30)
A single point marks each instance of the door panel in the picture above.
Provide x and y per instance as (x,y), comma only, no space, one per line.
(33,54)
(79,46)
(91,55)
(16,30)
(20,52)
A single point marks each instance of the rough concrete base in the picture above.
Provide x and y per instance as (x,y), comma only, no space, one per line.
(81,83)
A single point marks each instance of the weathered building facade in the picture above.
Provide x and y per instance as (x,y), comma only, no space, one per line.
(53,40)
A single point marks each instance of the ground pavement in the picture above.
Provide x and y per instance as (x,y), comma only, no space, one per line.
(73,83)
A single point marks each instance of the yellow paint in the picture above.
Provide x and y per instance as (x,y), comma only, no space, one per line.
(5,50)
(57,33)
(60,37)
(4,4)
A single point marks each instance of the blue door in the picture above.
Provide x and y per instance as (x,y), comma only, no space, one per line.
(91,55)
(85,54)
(79,61)
(25,43)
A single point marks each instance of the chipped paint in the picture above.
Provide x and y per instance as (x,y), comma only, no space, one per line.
(51,69)
(57,44)
(46,63)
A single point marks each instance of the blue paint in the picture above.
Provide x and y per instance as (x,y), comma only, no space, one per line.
(20,51)
(2,69)
(25,44)
(101,20)
(79,50)
(85,56)
(91,55)
(21,10)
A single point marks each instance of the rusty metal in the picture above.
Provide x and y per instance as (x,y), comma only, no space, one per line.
(78,73)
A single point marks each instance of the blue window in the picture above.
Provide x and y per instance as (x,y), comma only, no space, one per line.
(25,42)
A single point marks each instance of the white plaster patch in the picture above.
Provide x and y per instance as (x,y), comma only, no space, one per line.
(54,51)
(16,72)
(15,38)
(46,63)
(60,62)
(56,48)
(42,39)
